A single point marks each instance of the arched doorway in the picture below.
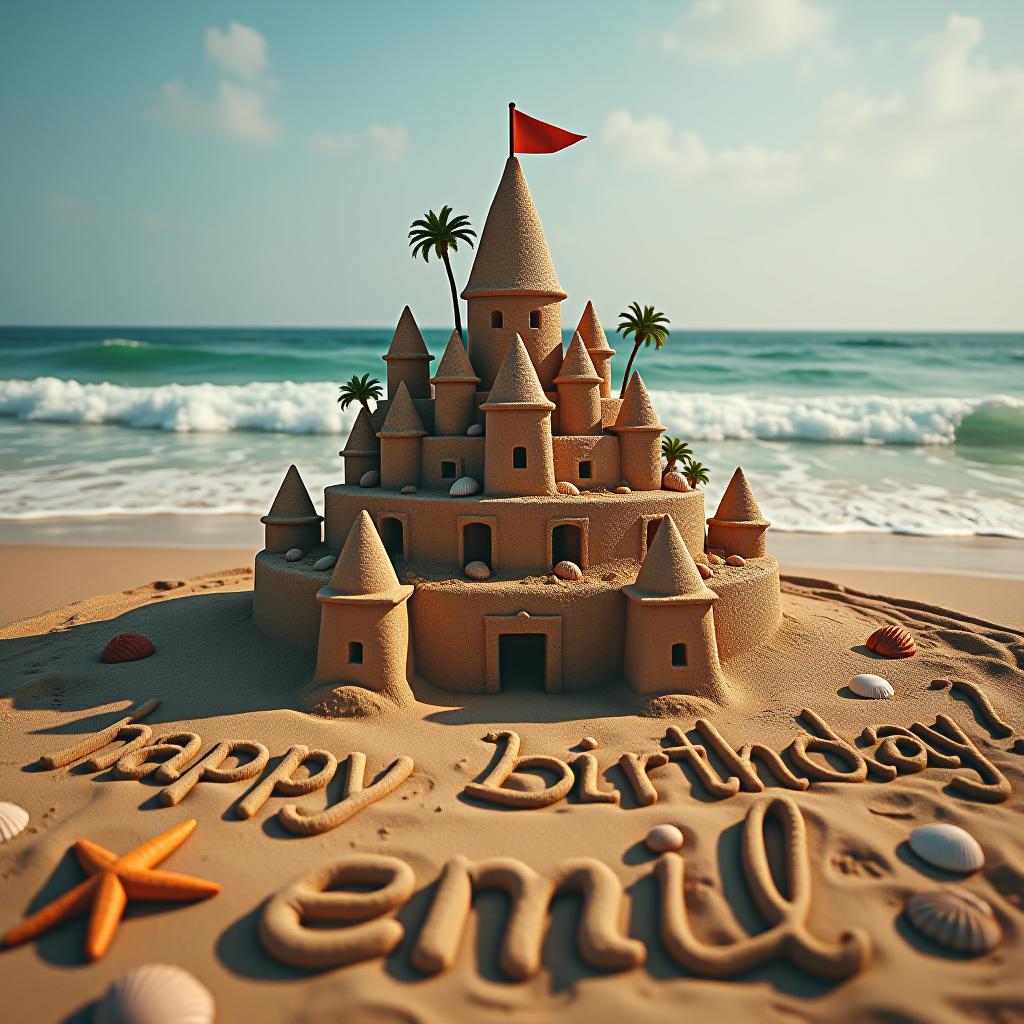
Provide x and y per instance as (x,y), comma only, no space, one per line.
(476,544)
(392,534)
(567,544)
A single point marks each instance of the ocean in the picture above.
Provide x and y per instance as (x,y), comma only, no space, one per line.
(839,432)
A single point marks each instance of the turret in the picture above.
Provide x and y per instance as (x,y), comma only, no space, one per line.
(401,439)
(292,521)
(408,359)
(518,453)
(364,619)
(592,333)
(737,527)
(670,627)
(579,392)
(639,435)
(454,390)
(362,449)
(513,290)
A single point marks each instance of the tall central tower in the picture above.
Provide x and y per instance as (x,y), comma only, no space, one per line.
(513,288)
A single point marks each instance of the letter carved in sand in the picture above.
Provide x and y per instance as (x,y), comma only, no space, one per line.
(492,787)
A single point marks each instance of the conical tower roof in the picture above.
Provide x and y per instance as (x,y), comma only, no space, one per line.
(592,333)
(738,504)
(517,383)
(668,572)
(407,342)
(292,504)
(363,572)
(402,419)
(363,438)
(577,366)
(513,254)
(455,366)
(636,411)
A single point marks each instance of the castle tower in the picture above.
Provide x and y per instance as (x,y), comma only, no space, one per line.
(513,289)
(518,453)
(454,390)
(670,627)
(408,359)
(639,432)
(292,521)
(592,333)
(362,449)
(400,443)
(364,619)
(737,526)
(579,392)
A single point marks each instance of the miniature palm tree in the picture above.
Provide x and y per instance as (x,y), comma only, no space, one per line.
(695,473)
(361,390)
(435,233)
(675,451)
(646,325)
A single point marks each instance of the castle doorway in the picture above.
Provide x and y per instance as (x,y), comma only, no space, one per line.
(392,534)
(522,661)
(567,544)
(476,544)
(652,530)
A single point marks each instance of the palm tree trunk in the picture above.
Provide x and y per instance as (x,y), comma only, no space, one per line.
(629,367)
(455,295)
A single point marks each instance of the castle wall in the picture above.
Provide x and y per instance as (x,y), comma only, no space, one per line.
(737,538)
(284,604)
(487,344)
(749,609)
(601,450)
(466,452)
(282,536)
(455,406)
(400,462)
(507,430)
(640,456)
(413,371)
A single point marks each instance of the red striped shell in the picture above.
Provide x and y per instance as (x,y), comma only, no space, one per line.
(127,647)
(892,642)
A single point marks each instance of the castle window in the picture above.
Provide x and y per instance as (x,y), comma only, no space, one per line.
(448,469)
(679,655)
(496,319)
(519,458)
(355,653)
(586,471)
(392,535)
(535,318)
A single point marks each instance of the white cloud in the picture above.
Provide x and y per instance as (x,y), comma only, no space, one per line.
(238,49)
(731,31)
(385,142)
(236,112)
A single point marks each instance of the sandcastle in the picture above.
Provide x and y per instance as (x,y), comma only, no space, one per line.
(514,460)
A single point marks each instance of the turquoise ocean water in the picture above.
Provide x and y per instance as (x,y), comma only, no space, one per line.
(839,432)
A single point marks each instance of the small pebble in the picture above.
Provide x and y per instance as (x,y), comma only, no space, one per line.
(705,571)
(664,839)
(478,571)
(736,560)
(325,563)
(589,743)
(408,489)
(475,430)
(293,555)
(623,490)
(715,559)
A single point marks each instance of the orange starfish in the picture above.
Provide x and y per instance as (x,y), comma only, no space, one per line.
(112,882)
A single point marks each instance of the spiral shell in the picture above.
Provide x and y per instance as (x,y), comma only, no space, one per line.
(479,571)
(675,481)
(13,820)
(568,571)
(127,647)
(871,687)
(565,487)
(948,847)
(956,919)
(371,478)
(156,994)
(464,487)
(892,642)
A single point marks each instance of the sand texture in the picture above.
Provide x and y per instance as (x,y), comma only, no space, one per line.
(468,858)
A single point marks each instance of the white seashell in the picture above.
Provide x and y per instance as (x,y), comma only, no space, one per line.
(589,743)
(13,820)
(408,489)
(479,571)
(664,839)
(565,487)
(156,994)
(371,478)
(956,919)
(293,555)
(623,489)
(475,430)
(325,563)
(872,687)
(738,561)
(674,481)
(948,847)
(464,487)
(568,571)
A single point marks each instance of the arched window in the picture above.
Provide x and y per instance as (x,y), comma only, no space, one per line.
(679,655)
(355,653)
(535,318)
(496,319)
(519,458)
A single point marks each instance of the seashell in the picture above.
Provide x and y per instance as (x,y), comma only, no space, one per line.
(715,559)
(475,430)
(589,743)
(736,560)
(13,820)
(664,839)
(706,572)
(127,647)
(564,487)
(325,563)
(156,994)
(293,555)
(892,642)
(871,687)
(568,571)
(675,481)
(623,489)
(371,478)
(956,919)
(408,489)
(948,847)
(464,487)
(478,571)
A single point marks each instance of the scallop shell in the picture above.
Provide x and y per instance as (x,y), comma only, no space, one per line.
(736,560)
(623,489)
(872,687)
(371,478)
(479,571)
(325,563)
(565,487)
(568,571)
(664,839)
(408,489)
(464,487)
(13,820)
(892,642)
(156,994)
(956,919)
(948,847)
(706,572)
(293,555)
(675,481)
(127,647)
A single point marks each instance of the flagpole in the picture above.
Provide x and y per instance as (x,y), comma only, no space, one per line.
(511,131)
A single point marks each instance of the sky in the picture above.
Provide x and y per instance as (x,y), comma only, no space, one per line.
(763,164)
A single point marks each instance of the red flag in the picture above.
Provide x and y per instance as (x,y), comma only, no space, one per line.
(528,135)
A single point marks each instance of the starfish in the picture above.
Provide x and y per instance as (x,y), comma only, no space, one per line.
(111,883)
